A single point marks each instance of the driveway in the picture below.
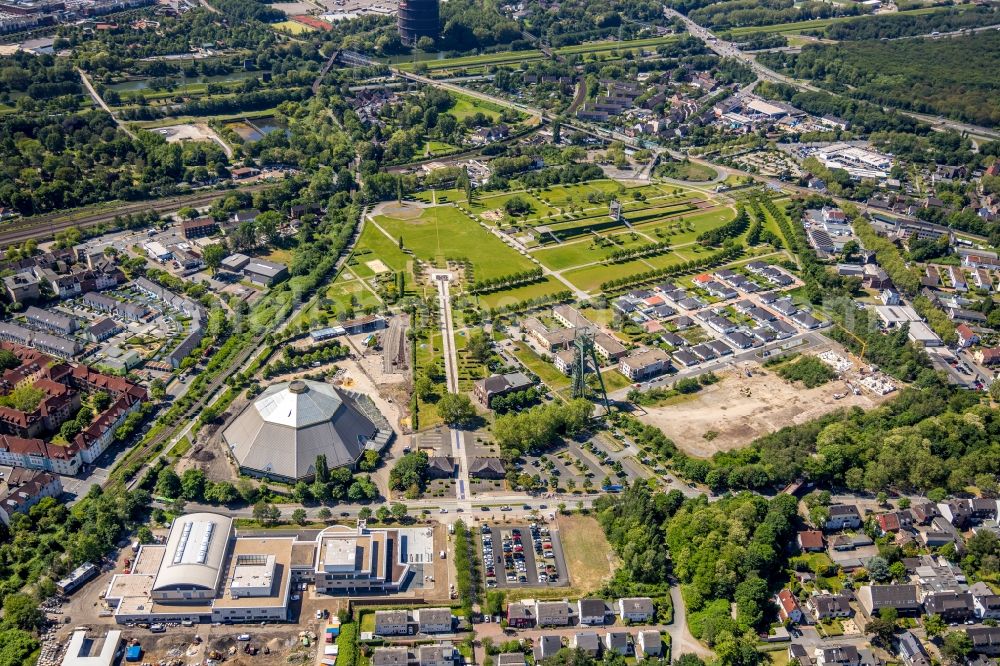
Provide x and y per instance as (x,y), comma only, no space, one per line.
(681,640)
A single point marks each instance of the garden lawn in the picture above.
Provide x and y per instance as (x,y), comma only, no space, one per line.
(444,232)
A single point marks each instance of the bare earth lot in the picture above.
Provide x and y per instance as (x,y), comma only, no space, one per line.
(739,418)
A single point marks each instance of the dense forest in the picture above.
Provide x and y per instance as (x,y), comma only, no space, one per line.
(955,77)
(893,26)
(53,161)
(723,553)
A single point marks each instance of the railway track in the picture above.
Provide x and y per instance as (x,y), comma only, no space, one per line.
(45,226)
(159,442)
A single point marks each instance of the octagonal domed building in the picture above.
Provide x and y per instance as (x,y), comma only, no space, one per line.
(281,433)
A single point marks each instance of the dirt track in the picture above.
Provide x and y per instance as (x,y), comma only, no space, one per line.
(739,418)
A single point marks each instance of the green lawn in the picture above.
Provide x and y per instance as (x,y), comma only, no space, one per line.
(539,210)
(561,195)
(469,106)
(590,278)
(498,299)
(374,245)
(444,232)
(547,372)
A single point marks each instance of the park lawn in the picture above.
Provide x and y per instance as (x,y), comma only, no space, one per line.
(469,106)
(548,373)
(589,557)
(665,260)
(596,47)
(476,60)
(374,245)
(444,233)
(440,196)
(560,195)
(589,279)
(539,210)
(343,291)
(800,26)
(545,287)
(687,227)
(698,173)
(567,255)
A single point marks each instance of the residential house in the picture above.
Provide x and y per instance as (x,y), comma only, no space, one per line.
(810,541)
(103,329)
(440,467)
(985,640)
(51,321)
(617,641)
(546,646)
(588,641)
(22,287)
(648,644)
(890,523)
(487,468)
(985,601)
(829,606)
(392,623)
(390,656)
(511,659)
(903,598)
(443,654)
(608,347)
(842,517)
(551,613)
(520,615)
(199,227)
(966,336)
(636,609)
(500,385)
(837,655)
(788,607)
(987,356)
(951,606)
(434,620)
(911,650)
(23,489)
(592,611)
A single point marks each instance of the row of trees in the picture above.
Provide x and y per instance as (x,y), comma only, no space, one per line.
(732,229)
(487,285)
(730,250)
(645,250)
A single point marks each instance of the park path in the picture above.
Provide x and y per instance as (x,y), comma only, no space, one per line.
(89,85)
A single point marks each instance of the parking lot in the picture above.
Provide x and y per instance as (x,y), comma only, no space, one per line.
(527,555)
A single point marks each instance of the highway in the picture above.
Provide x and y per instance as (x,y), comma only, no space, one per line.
(729,50)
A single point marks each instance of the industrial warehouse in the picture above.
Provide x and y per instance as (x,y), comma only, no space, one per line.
(205,572)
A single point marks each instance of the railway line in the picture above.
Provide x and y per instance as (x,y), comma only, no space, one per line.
(45,226)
